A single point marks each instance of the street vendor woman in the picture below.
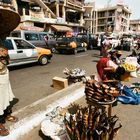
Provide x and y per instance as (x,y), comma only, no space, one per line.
(9,20)
(108,70)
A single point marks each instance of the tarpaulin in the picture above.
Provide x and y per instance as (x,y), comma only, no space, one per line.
(129,96)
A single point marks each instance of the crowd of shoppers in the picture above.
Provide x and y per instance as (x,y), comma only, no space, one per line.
(109,66)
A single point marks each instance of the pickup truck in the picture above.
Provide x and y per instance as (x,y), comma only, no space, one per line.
(23,52)
(89,39)
(70,44)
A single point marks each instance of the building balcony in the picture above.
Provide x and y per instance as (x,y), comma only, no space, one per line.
(46,1)
(53,1)
(87,15)
(38,19)
(103,24)
(60,20)
(6,3)
(102,17)
(73,24)
(75,3)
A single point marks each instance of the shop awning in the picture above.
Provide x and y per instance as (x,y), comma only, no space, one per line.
(30,28)
(60,28)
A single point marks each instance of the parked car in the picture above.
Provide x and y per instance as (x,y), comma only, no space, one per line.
(70,44)
(22,52)
(90,39)
(39,39)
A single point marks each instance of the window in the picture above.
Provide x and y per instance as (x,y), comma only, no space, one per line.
(16,34)
(8,44)
(31,36)
(7,1)
(41,36)
(51,36)
(21,44)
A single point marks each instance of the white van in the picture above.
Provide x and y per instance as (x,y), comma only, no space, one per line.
(39,39)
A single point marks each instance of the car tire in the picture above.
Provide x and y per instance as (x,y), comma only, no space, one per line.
(75,51)
(53,50)
(43,60)
(91,47)
(85,49)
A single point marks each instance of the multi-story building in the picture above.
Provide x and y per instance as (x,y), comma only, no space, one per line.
(113,18)
(135,25)
(108,19)
(6,4)
(50,15)
(69,15)
(90,17)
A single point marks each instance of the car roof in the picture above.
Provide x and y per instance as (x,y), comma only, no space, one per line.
(85,34)
(29,31)
(14,38)
(18,38)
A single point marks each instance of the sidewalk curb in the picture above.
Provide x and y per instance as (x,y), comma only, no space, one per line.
(27,123)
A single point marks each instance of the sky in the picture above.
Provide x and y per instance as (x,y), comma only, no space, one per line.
(134,5)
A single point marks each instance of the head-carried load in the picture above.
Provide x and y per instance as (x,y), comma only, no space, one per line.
(9,20)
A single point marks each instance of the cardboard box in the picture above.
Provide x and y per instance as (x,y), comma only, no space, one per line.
(60,83)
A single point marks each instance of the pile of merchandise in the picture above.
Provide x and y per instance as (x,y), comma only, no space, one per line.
(53,126)
(100,92)
(76,74)
(91,124)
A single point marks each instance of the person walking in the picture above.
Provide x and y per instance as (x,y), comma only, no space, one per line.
(107,46)
(9,20)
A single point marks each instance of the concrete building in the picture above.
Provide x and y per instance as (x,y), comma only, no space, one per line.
(50,15)
(70,15)
(113,18)
(108,19)
(90,17)
(135,25)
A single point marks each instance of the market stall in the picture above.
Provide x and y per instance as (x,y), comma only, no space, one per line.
(95,121)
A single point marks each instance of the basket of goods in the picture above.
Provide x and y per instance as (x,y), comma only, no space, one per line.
(101,93)
(129,68)
(75,74)
(91,124)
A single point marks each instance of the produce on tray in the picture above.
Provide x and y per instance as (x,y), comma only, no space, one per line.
(91,124)
(129,67)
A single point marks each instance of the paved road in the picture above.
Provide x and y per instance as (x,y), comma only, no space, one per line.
(33,82)
(129,116)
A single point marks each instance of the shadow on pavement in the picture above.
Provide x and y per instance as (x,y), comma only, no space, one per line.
(43,136)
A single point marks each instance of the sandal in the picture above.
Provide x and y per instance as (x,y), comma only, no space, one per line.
(11,118)
(3,131)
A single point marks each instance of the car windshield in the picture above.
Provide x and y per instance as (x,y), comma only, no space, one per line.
(8,44)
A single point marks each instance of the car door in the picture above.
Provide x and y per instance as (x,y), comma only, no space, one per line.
(52,40)
(43,40)
(26,52)
(8,43)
